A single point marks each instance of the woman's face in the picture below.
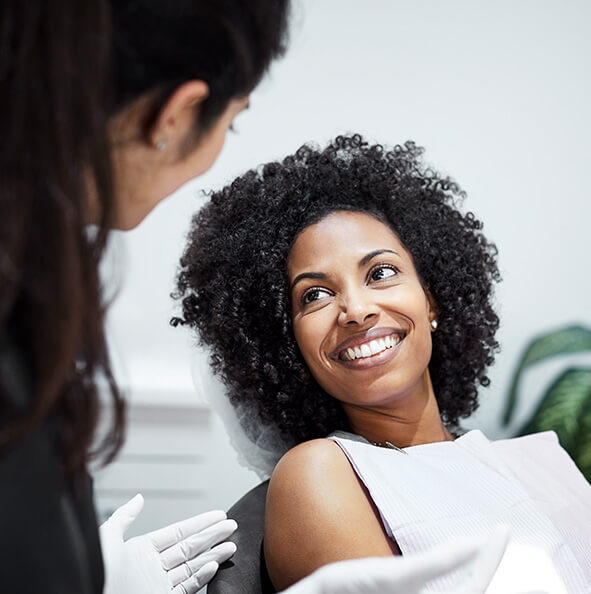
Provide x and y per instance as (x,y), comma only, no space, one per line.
(361,317)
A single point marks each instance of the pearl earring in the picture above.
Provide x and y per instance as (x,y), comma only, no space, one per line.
(160,145)
(434,324)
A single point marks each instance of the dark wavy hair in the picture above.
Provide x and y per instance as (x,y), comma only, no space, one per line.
(233,277)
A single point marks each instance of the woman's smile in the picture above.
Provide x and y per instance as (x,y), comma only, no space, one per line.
(368,360)
(375,347)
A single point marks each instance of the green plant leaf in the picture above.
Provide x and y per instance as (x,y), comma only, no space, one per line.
(566,409)
(571,339)
(581,452)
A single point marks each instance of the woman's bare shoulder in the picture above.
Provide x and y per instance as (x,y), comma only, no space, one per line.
(317,512)
(309,461)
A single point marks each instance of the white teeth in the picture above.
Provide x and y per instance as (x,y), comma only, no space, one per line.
(374,347)
(371,348)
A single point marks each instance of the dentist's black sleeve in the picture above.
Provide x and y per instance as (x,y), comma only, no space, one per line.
(49,539)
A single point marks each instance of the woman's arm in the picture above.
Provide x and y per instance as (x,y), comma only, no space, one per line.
(318,512)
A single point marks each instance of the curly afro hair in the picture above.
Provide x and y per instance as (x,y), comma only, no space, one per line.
(233,276)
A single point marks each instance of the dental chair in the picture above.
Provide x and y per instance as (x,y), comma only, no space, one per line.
(245,572)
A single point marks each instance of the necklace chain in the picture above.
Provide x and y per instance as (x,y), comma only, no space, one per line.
(390,445)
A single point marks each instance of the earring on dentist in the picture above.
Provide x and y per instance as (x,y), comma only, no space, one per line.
(434,324)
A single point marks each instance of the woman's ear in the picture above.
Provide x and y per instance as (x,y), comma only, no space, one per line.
(176,119)
(432,312)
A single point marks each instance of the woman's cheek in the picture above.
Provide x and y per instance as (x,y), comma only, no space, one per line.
(310,336)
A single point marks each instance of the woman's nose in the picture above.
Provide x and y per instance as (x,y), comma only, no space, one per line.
(356,309)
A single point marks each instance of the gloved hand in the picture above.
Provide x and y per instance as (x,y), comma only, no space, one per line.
(177,559)
(385,575)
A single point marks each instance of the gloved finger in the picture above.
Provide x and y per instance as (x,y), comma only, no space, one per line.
(197,544)
(382,574)
(449,556)
(170,535)
(397,574)
(124,516)
(394,574)
(197,581)
(185,570)
(486,563)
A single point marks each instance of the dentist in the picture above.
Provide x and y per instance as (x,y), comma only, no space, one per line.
(107,108)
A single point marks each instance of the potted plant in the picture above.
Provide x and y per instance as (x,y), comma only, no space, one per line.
(565,407)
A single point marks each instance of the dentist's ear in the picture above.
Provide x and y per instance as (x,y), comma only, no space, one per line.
(177,118)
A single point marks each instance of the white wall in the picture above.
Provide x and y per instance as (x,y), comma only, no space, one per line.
(498,93)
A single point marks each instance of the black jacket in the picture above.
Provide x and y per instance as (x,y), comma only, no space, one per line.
(49,539)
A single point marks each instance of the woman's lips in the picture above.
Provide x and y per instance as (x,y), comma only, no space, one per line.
(375,360)
(370,348)
(366,337)
(375,346)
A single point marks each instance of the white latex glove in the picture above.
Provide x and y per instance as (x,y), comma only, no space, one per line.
(408,575)
(177,559)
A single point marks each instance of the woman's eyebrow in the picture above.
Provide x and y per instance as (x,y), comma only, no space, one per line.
(322,276)
(314,275)
(373,254)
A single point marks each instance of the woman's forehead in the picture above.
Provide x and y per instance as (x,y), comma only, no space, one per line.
(342,235)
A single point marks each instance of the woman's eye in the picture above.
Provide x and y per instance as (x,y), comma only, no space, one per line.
(314,295)
(382,273)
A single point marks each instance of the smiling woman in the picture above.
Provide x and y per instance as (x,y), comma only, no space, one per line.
(345,295)
(234,282)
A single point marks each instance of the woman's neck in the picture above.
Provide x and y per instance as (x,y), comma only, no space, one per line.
(413,420)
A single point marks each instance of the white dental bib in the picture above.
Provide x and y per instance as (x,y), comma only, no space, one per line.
(433,493)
